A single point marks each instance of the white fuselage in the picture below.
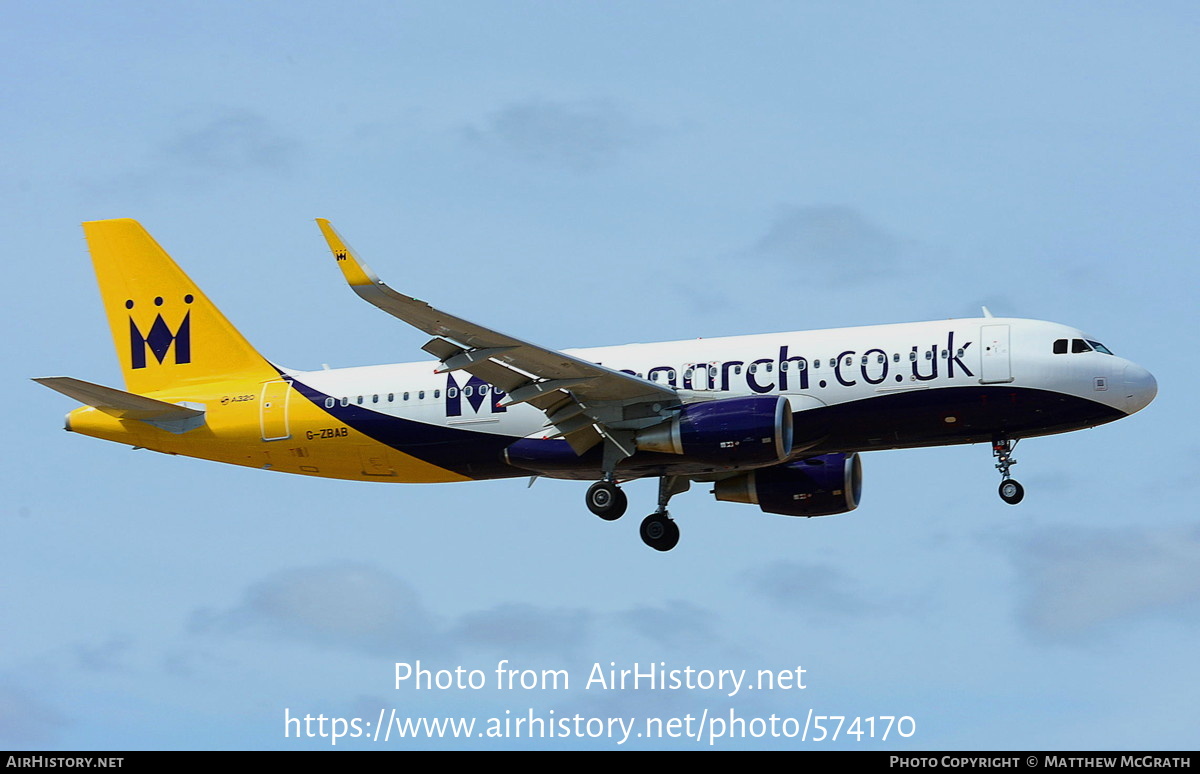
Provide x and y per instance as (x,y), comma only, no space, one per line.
(843,367)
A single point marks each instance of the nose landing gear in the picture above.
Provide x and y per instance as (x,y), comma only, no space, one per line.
(1011,490)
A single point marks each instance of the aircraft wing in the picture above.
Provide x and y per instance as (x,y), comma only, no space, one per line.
(584,401)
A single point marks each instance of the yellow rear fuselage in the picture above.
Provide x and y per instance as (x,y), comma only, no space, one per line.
(266,425)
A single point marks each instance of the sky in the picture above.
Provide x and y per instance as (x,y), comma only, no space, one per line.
(586,174)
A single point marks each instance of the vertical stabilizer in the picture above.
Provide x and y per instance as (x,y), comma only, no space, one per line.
(166,331)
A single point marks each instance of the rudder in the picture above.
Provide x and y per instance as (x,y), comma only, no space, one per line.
(165,329)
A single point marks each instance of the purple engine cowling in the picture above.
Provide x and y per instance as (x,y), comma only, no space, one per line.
(817,486)
(751,430)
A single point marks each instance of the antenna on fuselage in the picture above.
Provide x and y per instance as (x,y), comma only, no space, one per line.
(987,312)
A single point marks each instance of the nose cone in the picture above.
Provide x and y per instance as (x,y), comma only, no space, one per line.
(1140,388)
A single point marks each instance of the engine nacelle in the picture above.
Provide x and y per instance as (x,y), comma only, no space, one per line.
(752,430)
(817,486)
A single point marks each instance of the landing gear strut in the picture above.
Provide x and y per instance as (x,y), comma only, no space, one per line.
(1011,490)
(659,530)
(606,500)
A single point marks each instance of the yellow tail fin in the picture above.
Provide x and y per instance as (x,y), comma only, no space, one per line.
(166,331)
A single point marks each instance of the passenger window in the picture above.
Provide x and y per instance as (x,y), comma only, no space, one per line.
(375,398)
(391,397)
(881,358)
(359,401)
(329,402)
(345,401)
(437,393)
(896,357)
(421,394)
(468,391)
(405,396)
(769,366)
(452,392)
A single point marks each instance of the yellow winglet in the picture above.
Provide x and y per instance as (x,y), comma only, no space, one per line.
(355,271)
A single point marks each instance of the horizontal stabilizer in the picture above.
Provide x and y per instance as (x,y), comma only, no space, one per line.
(118,403)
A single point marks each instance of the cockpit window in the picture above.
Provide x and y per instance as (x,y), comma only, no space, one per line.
(1079,345)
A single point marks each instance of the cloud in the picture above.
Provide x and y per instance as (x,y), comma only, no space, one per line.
(818,590)
(234,141)
(108,656)
(205,150)
(578,136)
(524,630)
(25,721)
(1082,581)
(357,607)
(361,608)
(342,605)
(831,243)
(678,623)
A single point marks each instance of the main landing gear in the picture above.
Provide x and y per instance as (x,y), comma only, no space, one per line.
(606,500)
(658,530)
(1011,490)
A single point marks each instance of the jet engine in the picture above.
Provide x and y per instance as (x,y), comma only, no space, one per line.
(817,486)
(752,430)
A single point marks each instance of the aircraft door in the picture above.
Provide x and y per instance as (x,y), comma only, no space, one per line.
(996,365)
(272,410)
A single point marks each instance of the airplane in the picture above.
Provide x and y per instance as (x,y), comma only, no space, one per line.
(774,420)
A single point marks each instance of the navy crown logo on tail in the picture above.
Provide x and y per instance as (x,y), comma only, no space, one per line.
(160,337)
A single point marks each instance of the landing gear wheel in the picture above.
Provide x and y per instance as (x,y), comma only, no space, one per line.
(606,500)
(1011,492)
(659,532)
